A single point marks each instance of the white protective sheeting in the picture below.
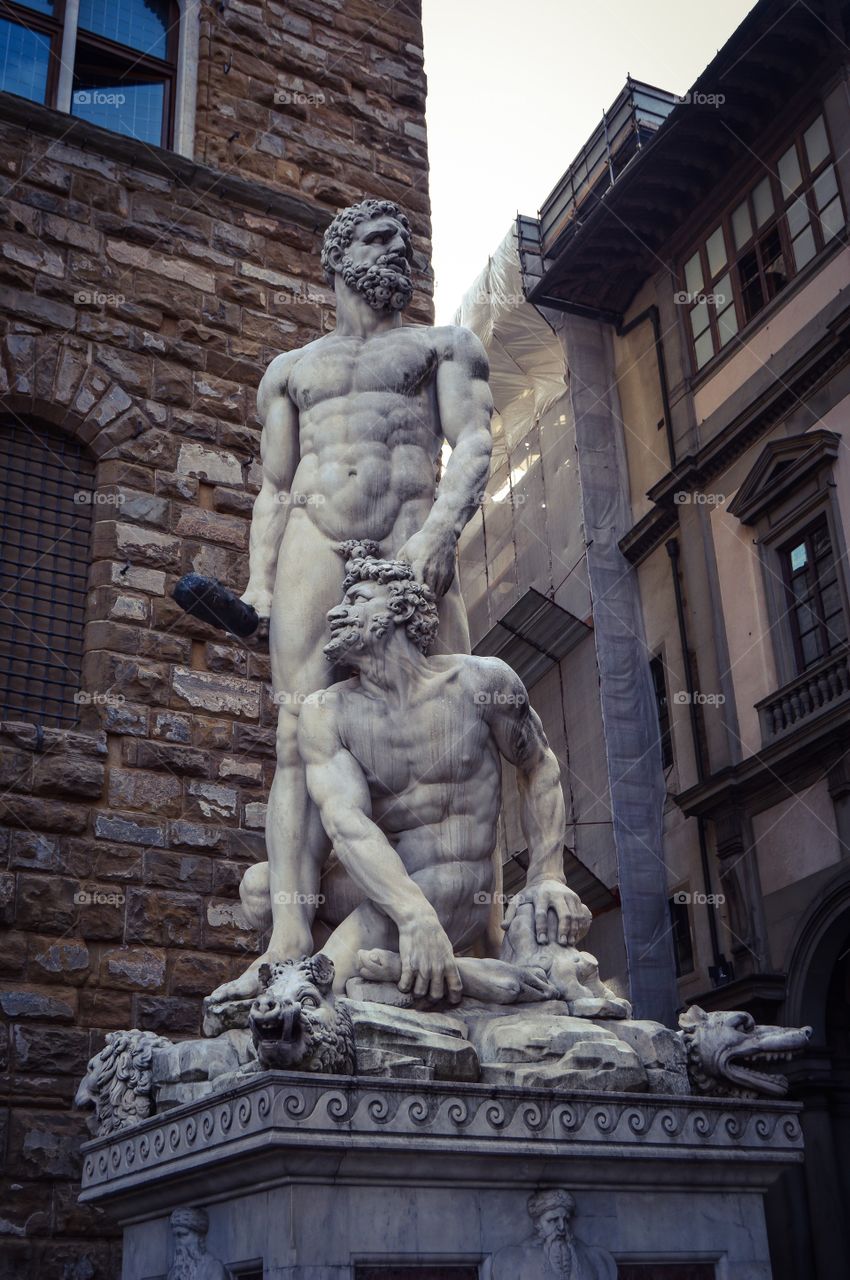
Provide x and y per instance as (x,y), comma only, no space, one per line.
(526,358)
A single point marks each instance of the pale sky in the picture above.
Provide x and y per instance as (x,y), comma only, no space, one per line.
(514,90)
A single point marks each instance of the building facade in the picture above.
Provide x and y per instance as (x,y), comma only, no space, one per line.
(694,264)
(167,172)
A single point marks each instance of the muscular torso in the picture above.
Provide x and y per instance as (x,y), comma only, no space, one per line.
(369,432)
(432,766)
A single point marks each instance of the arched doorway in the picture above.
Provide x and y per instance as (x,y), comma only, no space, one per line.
(809,1208)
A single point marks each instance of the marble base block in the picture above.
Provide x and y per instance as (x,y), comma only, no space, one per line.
(330,1178)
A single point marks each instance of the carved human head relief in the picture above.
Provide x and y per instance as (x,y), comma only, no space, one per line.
(369,246)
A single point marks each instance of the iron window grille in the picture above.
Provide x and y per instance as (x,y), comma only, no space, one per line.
(45,537)
(762,242)
(123,54)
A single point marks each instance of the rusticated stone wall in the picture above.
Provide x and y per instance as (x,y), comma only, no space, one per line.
(142,296)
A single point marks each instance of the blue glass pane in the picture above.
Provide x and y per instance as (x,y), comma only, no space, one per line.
(133,109)
(40,6)
(24,56)
(138,24)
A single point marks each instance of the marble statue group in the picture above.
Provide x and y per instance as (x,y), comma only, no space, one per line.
(389,953)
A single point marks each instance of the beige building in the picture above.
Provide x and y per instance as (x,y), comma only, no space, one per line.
(693,266)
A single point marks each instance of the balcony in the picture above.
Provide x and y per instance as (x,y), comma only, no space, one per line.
(823,687)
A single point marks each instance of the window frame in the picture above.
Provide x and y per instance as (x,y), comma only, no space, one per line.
(722,221)
(784,531)
(177,72)
(52,25)
(805,535)
(665,721)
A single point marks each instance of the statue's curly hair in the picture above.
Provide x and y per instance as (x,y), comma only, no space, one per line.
(340,232)
(363,564)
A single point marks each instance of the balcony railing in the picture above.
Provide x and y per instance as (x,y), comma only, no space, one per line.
(817,690)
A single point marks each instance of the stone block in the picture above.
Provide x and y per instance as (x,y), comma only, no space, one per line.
(163,918)
(172,727)
(211,801)
(213,465)
(196,973)
(197,835)
(129,829)
(62,960)
(45,1144)
(168,1015)
(45,1006)
(160,793)
(133,968)
(55,1050)
(177,870)
(217,693)
(212,527)
(68,775)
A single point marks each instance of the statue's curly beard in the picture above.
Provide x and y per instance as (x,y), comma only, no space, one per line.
(347,639)
(386,285)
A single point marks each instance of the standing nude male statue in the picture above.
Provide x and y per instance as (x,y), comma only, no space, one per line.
(353,430)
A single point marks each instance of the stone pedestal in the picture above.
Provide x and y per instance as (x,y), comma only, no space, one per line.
(326,1178)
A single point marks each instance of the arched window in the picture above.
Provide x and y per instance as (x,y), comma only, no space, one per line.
(126,65)
(46,483)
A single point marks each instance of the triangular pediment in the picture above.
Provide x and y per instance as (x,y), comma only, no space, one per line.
(780,467)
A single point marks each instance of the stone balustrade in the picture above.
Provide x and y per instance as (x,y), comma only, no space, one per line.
(821,687)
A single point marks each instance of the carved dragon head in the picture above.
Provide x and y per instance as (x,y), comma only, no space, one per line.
(723,1048)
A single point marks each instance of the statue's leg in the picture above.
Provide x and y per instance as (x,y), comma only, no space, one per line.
(308,584)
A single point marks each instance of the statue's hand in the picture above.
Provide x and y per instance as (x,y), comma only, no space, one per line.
(431,559)
(427,960)
(259,600)
(573,917)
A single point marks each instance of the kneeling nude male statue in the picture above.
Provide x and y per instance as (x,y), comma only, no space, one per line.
(403,761)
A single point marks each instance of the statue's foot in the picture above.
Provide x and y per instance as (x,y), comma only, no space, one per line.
(378,965)
(535,985)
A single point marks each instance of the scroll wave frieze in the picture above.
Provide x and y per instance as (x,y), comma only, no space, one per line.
(302,1112)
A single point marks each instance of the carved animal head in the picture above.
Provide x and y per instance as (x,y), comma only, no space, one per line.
(118,1081)
(295,1022)
(724,1047)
